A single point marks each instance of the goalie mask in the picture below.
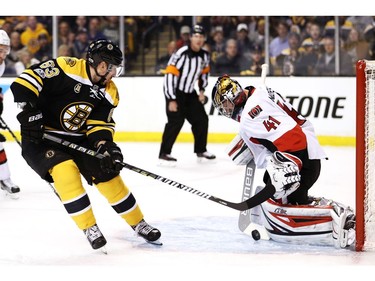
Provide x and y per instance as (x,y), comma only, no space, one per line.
(228,97)
(107,51)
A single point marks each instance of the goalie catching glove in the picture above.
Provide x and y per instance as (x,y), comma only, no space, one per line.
(112,161)
(283,169)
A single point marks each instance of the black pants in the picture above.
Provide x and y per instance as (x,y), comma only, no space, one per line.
(191,109)
(44,156)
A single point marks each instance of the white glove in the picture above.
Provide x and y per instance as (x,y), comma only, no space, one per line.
(283,169)
(238,151)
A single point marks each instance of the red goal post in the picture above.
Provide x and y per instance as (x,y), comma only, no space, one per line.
(365,155)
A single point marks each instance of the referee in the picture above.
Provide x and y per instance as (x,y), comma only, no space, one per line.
(187,65)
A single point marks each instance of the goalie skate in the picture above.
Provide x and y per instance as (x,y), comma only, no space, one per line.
(148,233)
(10,188)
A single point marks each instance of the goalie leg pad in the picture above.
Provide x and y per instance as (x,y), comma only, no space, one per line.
(239,152)
(298,224)
(343,224)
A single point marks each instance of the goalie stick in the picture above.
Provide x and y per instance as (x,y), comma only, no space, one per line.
(247,218)
(242,206)
(4,125)
(245,222)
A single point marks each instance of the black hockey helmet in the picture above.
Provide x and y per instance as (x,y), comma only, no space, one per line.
(104,50)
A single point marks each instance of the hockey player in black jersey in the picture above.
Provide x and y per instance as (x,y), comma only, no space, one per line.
(74,99)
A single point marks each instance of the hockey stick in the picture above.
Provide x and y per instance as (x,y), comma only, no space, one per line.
(242,206)
(5,126)
(244,220)
(264,73)
(249,220)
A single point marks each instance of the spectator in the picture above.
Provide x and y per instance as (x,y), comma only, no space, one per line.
(25,61)
(95,29)
(111,29)
(184,37)
(344,28)
(369,35)
(244,45)
(12,58)
(80,44)
(313,43)
(65,34)
(29,37)
(131,43)
(293,61)
(257,37)
(257,59)
(45,49)
(218,43)
(325,66)
(162,62)
(64,51)
(231,62)
(80,24)
(280,42)
(356,47)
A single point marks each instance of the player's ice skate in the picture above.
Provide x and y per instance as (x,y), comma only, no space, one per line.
(166,160)
(206,157)
(148,232)
(96,238)
(11,190)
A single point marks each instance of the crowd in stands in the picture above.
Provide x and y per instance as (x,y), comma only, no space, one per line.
(297,45)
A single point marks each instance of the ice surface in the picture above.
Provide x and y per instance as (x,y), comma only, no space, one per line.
(201,238)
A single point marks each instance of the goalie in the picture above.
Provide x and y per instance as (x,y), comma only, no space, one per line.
(281,141)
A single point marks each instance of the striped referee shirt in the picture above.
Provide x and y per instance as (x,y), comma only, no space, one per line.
(184,69)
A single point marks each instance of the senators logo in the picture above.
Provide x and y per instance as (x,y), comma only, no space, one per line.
(254,112)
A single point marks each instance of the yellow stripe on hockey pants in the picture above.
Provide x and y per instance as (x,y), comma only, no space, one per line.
(68,184)
(121,200)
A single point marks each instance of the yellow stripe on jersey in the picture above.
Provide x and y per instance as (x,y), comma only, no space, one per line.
(97,125)
(30,80)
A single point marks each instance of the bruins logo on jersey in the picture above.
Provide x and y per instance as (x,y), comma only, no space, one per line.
(75,115)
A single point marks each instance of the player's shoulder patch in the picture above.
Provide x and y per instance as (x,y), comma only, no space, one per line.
(111,93)
(74,68)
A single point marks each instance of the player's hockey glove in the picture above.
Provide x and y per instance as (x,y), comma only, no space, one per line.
(112,162)
(32,127)
(283,169)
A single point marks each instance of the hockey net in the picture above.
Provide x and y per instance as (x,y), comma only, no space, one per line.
(365,156)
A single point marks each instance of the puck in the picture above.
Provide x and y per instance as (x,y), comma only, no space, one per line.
(255,234)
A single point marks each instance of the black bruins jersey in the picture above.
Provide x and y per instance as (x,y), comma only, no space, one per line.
(71,104)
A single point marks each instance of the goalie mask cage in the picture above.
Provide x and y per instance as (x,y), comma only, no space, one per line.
(365,156)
